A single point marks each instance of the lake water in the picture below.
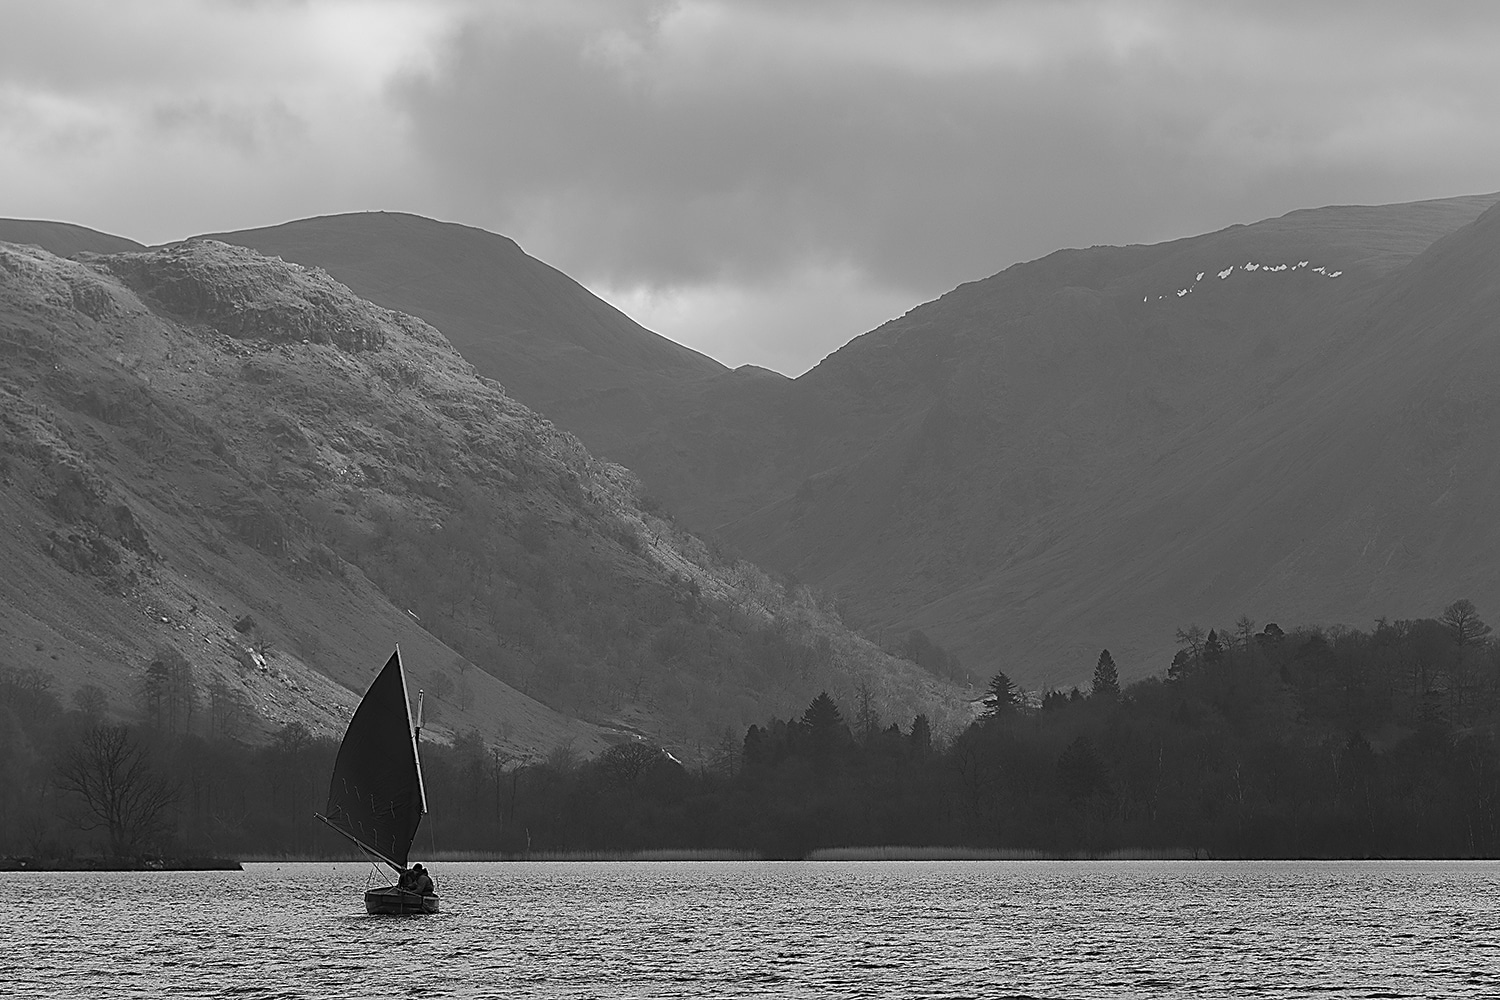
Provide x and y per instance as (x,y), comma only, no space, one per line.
(749,929)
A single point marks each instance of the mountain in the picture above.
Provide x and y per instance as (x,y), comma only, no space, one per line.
(555,341)
(1082,451)
(553,344)
(214,458)
(1092,449)
(143,517)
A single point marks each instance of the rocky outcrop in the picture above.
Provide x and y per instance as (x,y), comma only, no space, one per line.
(244,295)
(88,554)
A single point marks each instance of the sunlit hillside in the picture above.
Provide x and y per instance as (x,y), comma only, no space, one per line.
(221,459)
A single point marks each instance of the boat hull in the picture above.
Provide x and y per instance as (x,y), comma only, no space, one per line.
(392,900)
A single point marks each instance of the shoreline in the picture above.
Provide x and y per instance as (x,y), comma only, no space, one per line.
(876,853)
(827,854)
(100,864)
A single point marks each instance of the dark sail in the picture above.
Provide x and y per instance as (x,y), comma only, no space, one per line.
(376,795)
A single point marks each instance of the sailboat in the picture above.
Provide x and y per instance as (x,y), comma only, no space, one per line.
(376,797)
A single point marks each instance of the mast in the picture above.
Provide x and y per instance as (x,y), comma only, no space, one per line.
(412,729)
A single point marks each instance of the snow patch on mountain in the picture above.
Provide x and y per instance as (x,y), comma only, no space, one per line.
(1248,267)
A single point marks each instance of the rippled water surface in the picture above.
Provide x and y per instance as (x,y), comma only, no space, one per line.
(743,929)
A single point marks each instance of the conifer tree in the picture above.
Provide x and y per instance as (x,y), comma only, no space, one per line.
(822,714)
(1213,649)
(1001,697)
(1106,679)
(920,739)
(825,728)
(1244,628)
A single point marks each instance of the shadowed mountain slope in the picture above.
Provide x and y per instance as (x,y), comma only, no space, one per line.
(196,433)
(1096,447)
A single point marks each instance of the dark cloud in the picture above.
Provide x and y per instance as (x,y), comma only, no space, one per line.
(926,144)
(763,180)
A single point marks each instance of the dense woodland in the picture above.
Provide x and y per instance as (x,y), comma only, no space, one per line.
(1309,742)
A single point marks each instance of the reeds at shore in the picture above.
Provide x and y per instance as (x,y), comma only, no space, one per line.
(875,853)
(900,853)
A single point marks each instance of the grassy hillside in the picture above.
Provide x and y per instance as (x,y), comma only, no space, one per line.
(62,238)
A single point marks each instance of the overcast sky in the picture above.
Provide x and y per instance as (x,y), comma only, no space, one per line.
(759,180)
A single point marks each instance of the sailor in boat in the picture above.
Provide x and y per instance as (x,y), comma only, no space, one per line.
(416,879)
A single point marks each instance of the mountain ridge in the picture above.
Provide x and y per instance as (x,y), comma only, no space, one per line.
(983,466)
(939,467)
(1288,589)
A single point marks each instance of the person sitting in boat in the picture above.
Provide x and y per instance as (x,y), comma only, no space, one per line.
(408,880)
(421,881)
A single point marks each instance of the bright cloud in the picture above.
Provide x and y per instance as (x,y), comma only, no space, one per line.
(781,325)
(159,120)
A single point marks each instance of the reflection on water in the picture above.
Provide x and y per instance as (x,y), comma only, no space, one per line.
(741,929)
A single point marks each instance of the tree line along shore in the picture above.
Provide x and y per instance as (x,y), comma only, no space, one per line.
(1256,742)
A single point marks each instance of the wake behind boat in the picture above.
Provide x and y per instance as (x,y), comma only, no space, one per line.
(376,797)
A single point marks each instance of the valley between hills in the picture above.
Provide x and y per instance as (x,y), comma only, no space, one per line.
(348,431)
(1066,456)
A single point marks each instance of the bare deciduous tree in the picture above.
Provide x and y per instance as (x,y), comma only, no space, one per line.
(1191,636)
(1464,623)
(91,701)
(228,710)
(121,791)
(626,762)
